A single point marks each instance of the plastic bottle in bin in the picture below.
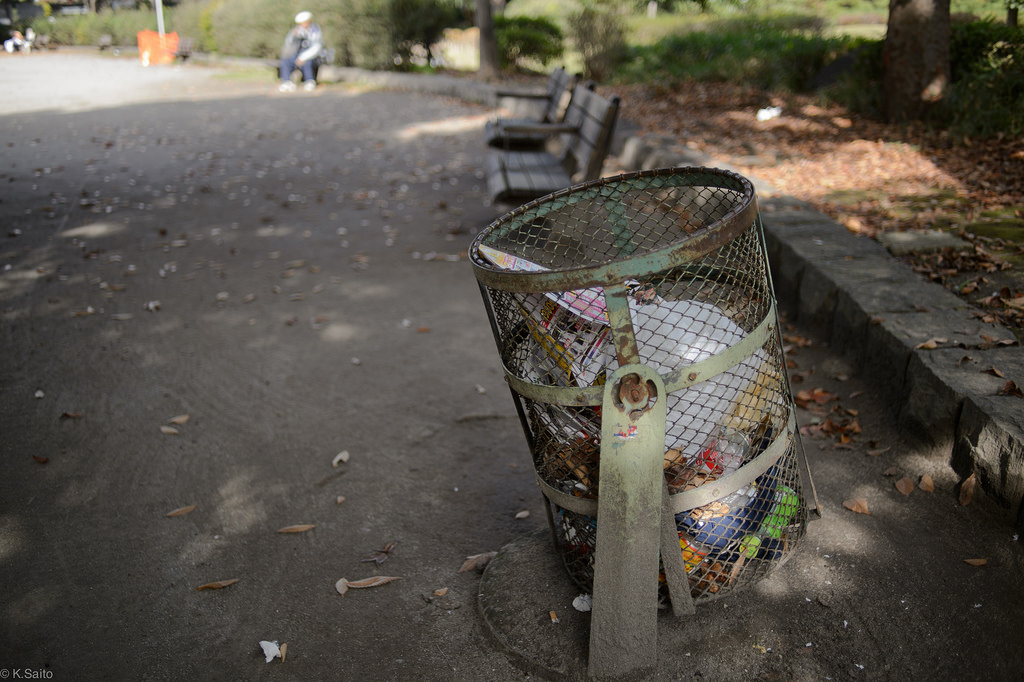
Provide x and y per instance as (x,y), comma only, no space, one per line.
(768,538)
(723,453)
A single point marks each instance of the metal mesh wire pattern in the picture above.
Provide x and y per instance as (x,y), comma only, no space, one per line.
(666,268)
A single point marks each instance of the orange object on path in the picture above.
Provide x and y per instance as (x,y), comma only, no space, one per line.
(157,49)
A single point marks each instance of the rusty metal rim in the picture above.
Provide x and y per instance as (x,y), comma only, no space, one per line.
(735,222)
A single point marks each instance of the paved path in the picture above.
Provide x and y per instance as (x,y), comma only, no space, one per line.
(289,272)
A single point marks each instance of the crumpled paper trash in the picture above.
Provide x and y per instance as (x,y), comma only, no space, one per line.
(271,650)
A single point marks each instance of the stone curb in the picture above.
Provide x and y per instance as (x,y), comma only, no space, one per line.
(870,307)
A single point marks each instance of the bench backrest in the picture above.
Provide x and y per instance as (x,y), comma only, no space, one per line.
(558,84)
(593,118)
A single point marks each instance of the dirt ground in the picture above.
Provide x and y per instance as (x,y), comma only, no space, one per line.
(210,291)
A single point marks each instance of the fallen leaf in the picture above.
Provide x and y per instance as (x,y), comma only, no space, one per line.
(967,490)
(299,528)
(905,485)
(71,415)
(341,457)
(381,555)
(284,651)
(169,430)
(993,371)
(181,511)
(891,471)
(422,330)
(179,420)
(927,484)
(858,505)
(878,451)
(976,562)
(477,561)
(930,344)
(441,591)
(344,585)
(41,460)
(340,499)
(523,514)
(1010,388)
(218,584)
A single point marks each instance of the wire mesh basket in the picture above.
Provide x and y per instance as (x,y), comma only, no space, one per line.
(665,268)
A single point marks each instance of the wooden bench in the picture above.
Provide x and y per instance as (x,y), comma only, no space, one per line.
(185,47)
(326,57)
(523,175)
(497,131)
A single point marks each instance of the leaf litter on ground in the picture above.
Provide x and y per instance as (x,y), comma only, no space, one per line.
(344,585)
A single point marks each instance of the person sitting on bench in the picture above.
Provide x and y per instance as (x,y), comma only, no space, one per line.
(302,46)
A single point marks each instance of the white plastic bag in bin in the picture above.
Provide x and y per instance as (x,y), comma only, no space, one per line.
(674,334)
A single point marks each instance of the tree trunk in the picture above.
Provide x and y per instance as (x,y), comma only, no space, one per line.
(1011,16)
(488,45)
(915,61)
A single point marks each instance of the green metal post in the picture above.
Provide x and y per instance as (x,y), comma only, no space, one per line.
(624,620)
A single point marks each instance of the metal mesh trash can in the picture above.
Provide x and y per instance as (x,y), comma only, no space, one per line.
(665,270)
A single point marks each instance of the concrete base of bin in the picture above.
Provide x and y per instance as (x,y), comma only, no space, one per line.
(520,588)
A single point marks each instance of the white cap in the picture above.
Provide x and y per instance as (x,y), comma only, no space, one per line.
(303,17)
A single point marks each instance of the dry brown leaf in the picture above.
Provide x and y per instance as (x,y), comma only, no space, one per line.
(976,562)
(878,451)
(905,485)
(927,484)
(298,528)
(218,584)
(181,511)
(930,344)
(71,415)
(891,471)
(284,650)
(344,585)
(477,561)
(1011,388)
(858,505)
(967,490)
(441,591)
(422,330)
(179,420)
(41,460)
(169,430)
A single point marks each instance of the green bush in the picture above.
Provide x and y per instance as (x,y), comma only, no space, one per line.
(525,40)
(784,52)
(86,29)
(987,62)
(600,36)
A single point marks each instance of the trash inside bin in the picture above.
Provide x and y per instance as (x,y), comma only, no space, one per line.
(668,269)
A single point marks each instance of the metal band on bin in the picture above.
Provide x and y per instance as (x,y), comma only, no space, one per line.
(675,380)
(691,499)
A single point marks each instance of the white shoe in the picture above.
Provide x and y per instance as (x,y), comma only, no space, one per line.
(287,86)
(309,86)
